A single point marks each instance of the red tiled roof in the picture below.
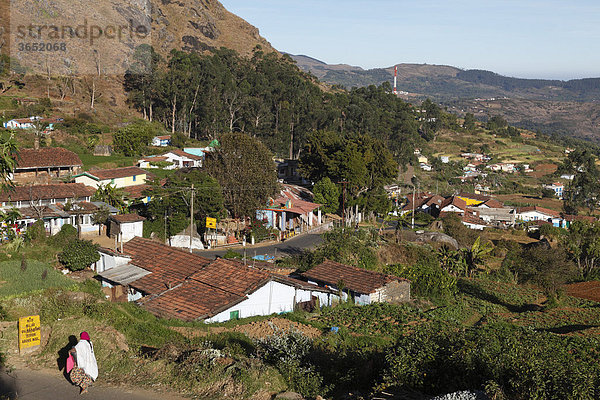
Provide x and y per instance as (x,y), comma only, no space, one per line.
(210,290)
(493,203)
(47,157)
(189,302)
(114,173)
(434,200)
(124,218)
(165,137)
(169,266)
(455,201)
(471,217)
(356,279)
(47,192)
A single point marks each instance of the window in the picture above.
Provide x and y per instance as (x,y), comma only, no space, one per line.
(234,315)
(134,177)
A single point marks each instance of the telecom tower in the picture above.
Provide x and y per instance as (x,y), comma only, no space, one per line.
(395,79)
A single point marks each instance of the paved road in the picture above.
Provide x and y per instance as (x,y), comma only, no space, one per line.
(289,247)
(52,385)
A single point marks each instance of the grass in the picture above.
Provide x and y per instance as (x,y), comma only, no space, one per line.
(14,281)
(115,160)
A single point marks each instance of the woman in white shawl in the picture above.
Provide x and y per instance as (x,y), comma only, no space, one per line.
(85,370)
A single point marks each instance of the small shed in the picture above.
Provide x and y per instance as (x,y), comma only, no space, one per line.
(126,226)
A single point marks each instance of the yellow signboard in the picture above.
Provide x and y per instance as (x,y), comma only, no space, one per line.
(211,222)
(30,334)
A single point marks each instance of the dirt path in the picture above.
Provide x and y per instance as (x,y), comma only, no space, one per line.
(52,385)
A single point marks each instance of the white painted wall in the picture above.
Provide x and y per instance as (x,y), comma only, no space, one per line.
(86,180)
(108,261)
(273,297)
(129,230)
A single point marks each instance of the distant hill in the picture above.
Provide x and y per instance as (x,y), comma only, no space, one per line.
(444,82)
(552,106)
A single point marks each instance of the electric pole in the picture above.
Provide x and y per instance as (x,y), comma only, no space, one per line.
(192,217)
(343,203)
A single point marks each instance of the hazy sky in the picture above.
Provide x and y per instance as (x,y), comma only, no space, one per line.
(523,38)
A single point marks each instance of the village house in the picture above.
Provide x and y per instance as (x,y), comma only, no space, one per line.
(56,205)
(174,159)
(291,213)
(453,204)
(558,189)
(45,164)
(173,283)
(161,141)
(117,177)
(535,213)
(365,287)
(30,123)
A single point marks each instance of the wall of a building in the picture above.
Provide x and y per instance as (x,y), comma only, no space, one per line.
(274,297)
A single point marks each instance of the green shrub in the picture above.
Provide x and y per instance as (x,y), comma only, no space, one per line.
(37,232)
(67,234)
(79,254)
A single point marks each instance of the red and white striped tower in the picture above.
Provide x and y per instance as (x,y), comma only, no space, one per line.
(395,79)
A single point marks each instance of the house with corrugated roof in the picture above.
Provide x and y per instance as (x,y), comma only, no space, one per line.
(173,283)
(174,159)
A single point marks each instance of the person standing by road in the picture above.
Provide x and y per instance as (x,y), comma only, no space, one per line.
(85,370)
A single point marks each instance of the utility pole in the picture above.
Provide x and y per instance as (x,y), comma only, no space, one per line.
(192,217)
(413,209)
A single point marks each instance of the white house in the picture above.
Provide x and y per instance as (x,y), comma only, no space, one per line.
(453,204)
(558,189)
(161,141)
(425,167)
(21,123)
(445,159)
(174,159)
(535,213)
(173,283)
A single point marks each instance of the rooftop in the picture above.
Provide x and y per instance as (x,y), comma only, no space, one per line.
(114,173)
(47,192)
(125,218)
(356,279)
(47,157)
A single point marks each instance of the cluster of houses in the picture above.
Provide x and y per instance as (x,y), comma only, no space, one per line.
(176,284)
(41,192)
(478,211)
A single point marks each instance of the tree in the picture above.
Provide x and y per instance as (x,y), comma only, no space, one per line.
(8,160)
(79,254)
(584,189)
(547,269)
(469,123)
(328,194)
(100,216)
(111,195)
(244,168)
(133,139)
(582,243)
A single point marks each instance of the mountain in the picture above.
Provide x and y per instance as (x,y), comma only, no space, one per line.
(444,82)
(73,75)
(552,106)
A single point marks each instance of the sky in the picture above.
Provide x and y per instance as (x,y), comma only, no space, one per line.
(550,39)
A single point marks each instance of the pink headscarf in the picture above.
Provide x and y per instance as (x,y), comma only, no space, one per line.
(84,336)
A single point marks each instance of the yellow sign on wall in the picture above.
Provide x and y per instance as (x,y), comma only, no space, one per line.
(211,222)
(30,333)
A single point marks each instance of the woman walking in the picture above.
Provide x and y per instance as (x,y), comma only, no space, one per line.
(85,370)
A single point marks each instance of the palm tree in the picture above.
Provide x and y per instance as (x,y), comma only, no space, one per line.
(110,195)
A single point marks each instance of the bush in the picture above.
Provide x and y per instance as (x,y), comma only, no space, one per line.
(36,232)
(79,254)
(67,234)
